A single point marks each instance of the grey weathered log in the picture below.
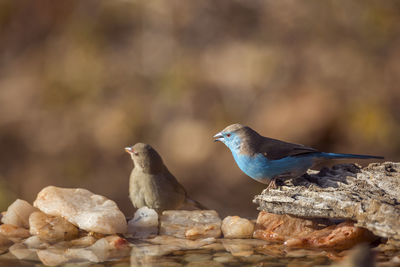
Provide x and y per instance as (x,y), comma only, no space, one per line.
(370,196)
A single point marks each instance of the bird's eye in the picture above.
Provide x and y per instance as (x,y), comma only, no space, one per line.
(136,153)
(228,135)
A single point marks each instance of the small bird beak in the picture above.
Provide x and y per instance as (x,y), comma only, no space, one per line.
(129,150)
(218,137)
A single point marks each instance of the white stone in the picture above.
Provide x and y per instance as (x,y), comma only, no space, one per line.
(236,227)
(88,211)
(18,213)
(35,242)
(144,223)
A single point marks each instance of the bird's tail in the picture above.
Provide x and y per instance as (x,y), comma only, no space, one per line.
(347,156)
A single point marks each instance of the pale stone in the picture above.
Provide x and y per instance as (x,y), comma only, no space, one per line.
(52,256)
(81,207)
(225,258)
(51,228)
(36,243)
(84,241)
(152,255)
(105,249)
(22,252)
(190,224)
(181,243)
(4,241)
(18,213)
(11,231)
(236,227)
(110,247)
(144,224)
(146,255)
(242,247)
(215,246)
(197,257)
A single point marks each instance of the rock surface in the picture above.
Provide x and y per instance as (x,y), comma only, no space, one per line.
(339,237)
(11,231)
(51,228)
(4,241)
(369,196)
(18,213)
(279,228)
(22,252)
(144,224)
(305,233)
(190,224)
(236,227)
(88,211)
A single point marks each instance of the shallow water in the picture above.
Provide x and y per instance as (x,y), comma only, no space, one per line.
(224,252)
(228,252)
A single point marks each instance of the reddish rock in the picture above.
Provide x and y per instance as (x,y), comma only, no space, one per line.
(305,233)
(279,228)
(341,236)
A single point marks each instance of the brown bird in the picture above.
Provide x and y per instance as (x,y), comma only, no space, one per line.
(152,185)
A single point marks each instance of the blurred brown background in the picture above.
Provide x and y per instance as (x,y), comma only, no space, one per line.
(80,80)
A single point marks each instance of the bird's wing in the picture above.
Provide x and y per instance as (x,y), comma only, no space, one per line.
(175,185)
(189,203)
(274,149)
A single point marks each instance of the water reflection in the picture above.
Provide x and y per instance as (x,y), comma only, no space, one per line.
(224,252)
(171,251)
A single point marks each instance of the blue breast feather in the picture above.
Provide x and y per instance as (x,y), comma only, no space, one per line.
(259,167)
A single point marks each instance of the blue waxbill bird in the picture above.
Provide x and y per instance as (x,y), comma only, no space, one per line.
(265,159)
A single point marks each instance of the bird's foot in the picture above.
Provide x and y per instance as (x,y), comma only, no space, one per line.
(272,184)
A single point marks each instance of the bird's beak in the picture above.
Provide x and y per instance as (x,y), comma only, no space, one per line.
(218,137)
(129,150)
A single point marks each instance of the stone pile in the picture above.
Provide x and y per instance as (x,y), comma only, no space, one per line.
(64,225)
(369,196)
(75,225)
